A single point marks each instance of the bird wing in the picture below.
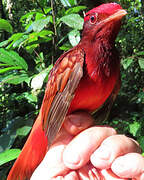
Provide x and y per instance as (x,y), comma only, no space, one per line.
(63,80)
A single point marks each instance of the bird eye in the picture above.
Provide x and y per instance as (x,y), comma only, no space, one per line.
(93,19)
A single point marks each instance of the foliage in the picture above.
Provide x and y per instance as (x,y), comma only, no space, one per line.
(31,41)
(5,25)
(131,97)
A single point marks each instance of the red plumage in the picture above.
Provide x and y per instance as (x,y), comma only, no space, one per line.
(85,78)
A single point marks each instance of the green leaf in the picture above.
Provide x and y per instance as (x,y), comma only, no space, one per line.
(69,2)
(4,43)
(65,3)
(23,131)
(6,140)
(9,155)
(9,69)
(3,65)
(12,58)
(14,38)
(47,10)
(15,79)
(45,33)
(141,63)
(20,41)
(127,62)
(34,40)
(74,21)
(75,9)
(141,142)
(73,2)
(65,47)
(30,97)
(28,15)
(5,26)
(140,53)
(134,127)
(38,80)
(19,60)
(39,16)
(28,30)
(40,24)
(10,132)
(74,37)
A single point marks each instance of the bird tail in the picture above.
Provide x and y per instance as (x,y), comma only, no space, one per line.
(32,153)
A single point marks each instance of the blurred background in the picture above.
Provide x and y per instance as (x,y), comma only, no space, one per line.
(33,34)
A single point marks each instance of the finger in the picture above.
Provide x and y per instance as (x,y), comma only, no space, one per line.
(89,172)
(109,175)
(71,176)
(129,166)
(78,151)
(77,122)
(111,148)
(52,165)
(73,125)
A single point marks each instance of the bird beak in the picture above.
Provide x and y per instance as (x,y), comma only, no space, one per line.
(116,16)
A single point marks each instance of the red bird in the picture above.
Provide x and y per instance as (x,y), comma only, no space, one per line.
(87,77)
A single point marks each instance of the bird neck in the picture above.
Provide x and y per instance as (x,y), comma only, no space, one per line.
(101,57)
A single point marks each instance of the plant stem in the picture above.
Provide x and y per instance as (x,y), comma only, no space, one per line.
(55,31)
(53,14)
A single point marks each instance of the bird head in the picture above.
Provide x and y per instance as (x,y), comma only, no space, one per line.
(103,21)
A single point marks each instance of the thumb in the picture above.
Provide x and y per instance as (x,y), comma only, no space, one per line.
(77,122)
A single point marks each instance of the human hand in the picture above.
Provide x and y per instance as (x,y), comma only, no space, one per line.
(84,152)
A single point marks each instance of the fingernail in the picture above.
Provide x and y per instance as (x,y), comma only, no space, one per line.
(72,159)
